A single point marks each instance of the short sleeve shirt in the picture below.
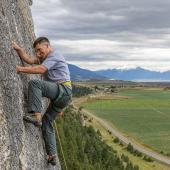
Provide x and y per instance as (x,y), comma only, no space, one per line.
(57,68)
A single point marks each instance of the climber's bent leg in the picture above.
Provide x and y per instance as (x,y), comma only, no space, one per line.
(36,90)
(48,132)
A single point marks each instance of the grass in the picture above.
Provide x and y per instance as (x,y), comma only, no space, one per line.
(143,114)
(143,165)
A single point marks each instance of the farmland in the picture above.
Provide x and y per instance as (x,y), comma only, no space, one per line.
(141,113)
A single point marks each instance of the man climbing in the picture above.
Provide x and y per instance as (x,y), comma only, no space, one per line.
(56,86)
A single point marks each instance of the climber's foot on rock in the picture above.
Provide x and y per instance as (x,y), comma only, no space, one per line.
(52,160)
(31,118)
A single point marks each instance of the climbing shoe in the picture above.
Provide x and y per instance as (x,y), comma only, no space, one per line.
(52,160)
(31,118)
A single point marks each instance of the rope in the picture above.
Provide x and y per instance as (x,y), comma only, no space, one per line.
(57,132)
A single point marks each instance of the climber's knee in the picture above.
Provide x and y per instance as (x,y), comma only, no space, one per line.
(34,83)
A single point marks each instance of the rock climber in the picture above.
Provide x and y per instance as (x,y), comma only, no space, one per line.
(56,86)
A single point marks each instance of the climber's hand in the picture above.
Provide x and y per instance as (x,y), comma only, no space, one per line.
(15,46)
(18,69)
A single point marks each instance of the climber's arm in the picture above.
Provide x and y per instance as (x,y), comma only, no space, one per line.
(40,69)
(23,55)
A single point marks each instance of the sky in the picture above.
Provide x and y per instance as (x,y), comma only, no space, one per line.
(107,34)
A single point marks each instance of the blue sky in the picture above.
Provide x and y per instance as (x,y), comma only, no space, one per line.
(97,34)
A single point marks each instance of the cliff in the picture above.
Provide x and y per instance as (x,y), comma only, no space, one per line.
(21,144)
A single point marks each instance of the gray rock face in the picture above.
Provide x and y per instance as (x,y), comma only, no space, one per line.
(21,144)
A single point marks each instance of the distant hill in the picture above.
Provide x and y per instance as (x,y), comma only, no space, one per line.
(137,74)
(78,73)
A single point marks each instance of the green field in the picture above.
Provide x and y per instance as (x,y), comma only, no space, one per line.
(144,115)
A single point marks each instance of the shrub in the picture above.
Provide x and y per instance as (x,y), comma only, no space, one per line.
(116,140)
(130,148)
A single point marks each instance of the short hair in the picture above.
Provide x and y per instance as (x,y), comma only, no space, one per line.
(40,40)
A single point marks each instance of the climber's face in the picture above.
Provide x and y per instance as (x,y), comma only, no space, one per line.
(42,50)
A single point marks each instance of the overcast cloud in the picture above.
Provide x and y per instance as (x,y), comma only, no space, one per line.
(101,34)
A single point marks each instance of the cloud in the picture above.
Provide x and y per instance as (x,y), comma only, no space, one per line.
(114,33)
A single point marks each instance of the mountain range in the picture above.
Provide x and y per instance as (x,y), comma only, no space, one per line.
(137,74)
(78,74)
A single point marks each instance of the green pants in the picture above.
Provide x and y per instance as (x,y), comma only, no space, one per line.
(60,97)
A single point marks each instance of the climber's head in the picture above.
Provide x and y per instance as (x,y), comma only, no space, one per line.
(42,48)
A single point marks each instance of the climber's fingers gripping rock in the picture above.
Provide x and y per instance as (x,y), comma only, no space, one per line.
(18,69)
(15,46)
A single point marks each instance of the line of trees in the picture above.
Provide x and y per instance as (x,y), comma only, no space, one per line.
(84,148)
(133,151)
(79,91)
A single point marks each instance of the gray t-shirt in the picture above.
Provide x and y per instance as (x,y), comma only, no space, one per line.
(57,68)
